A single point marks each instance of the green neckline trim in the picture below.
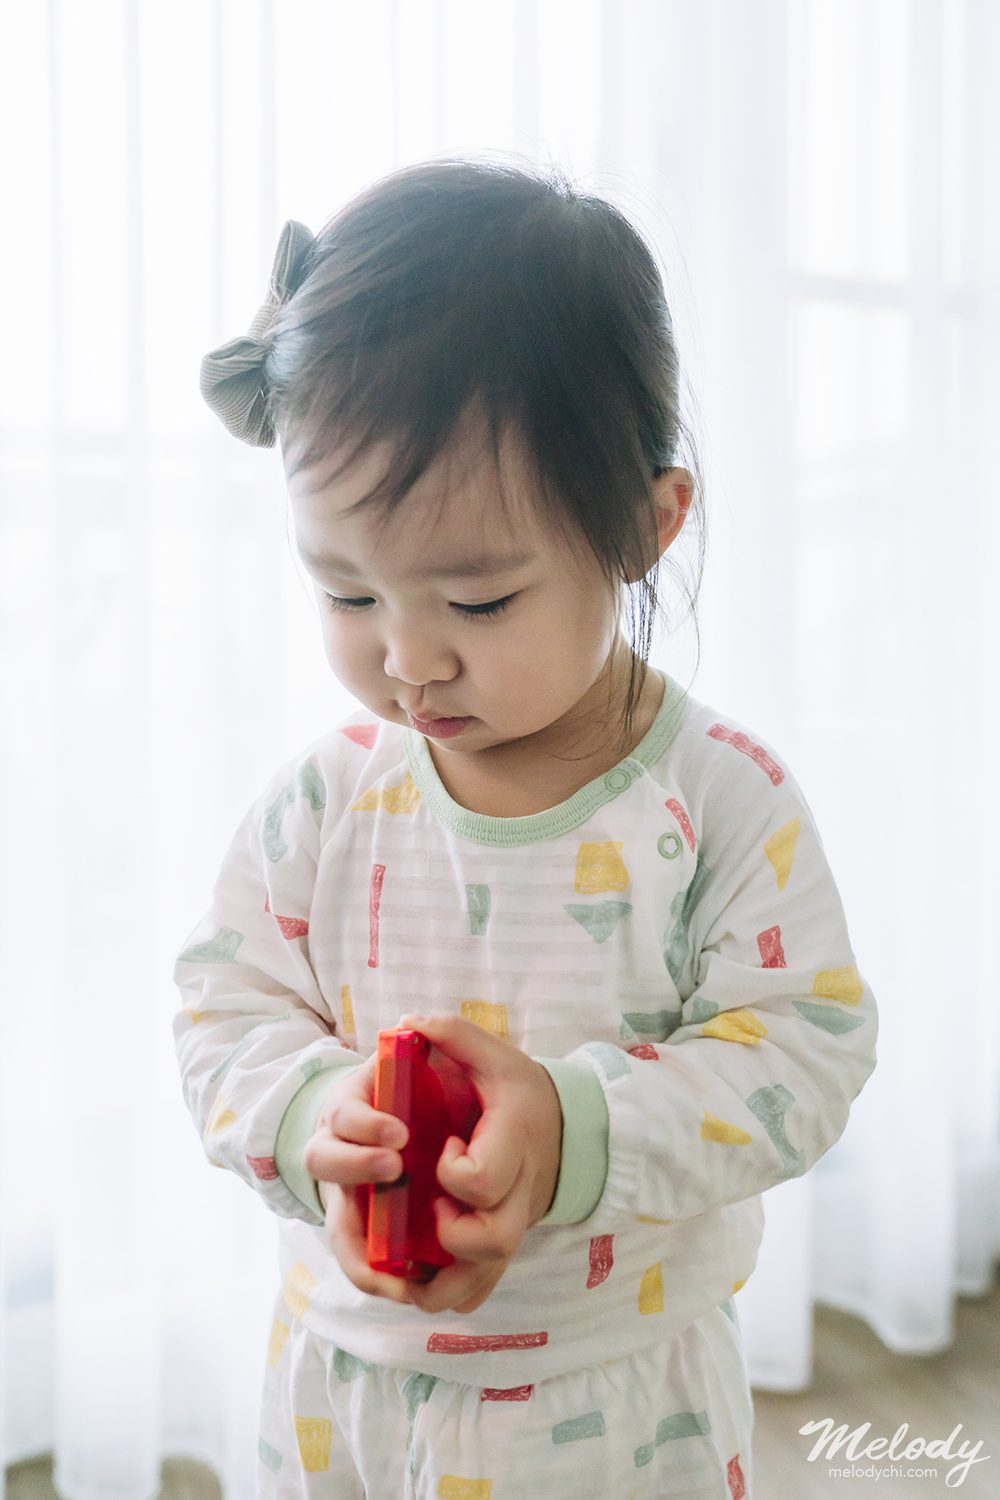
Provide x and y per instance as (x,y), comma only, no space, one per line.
(506,832)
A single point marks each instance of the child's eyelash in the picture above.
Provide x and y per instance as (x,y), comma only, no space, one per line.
(472,611)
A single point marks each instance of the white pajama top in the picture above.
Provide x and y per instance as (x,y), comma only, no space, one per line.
(669,941)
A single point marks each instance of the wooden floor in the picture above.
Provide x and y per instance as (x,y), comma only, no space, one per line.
(857,1380)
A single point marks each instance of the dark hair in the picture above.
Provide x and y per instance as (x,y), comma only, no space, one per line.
(456,282)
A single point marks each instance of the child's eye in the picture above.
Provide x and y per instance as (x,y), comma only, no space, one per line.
(472,611)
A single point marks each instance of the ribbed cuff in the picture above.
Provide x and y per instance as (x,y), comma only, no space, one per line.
(298,1123)
(583,1165)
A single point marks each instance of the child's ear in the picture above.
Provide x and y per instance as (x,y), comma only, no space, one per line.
(671,494)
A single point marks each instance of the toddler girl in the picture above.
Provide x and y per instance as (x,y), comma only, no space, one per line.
(606,899)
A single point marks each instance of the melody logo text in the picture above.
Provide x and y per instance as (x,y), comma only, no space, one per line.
(886,1447)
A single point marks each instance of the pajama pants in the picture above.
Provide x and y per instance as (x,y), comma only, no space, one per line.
(672,1422)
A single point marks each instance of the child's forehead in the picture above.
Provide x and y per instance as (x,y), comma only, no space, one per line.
(456,505)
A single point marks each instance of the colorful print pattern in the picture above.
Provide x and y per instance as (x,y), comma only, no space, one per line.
(685,942)
(334,1426)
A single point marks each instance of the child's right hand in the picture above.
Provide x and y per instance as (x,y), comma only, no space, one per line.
(354,1143)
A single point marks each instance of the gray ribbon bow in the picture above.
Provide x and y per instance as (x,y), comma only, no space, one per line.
(232,376)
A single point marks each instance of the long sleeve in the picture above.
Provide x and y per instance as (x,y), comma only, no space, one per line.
(256,1042)
(772,1045)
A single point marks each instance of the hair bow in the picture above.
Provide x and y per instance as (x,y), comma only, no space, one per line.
(232,376)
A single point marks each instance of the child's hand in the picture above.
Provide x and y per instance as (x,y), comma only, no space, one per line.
(353,1143)
(508,1171)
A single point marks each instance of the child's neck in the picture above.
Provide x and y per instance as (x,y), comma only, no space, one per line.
(516,780)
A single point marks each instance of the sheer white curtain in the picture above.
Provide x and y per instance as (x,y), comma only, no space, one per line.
(820,184)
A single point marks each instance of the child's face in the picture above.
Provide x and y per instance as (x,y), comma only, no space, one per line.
(409,647)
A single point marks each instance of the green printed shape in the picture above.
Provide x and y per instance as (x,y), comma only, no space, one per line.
(591,1424)
(612,1062)
(729,1310)
(242,1045)
(231,1057)
(703,1010)
(696,889)
(310,784)
(313,1065)
(770,1104)
(669,844)
(681,909)
(625,1033)
(348,1366)
(477,900)
(681,1424)
(676,952)
(416,1389)
(601,919)
(306,783)
(650,1021)
(221,949)
(268,1455)
(833,1018)
(270,835)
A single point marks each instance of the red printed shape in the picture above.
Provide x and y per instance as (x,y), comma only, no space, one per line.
(644,1049)
(292,927)
(734,1477)
(682,818)
(477,1343)
(772,955)
(512,1393)
(601,1258)
(374,904)
(746,746)
(263,1167)
(361,734)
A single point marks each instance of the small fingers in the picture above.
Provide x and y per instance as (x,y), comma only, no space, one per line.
(352,1119)
(483,1171)
(462,1288)
(332,1160)
(355,1143)
(482,1235)
(346,1233)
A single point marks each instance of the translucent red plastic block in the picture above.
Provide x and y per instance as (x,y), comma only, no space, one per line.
(432,1094)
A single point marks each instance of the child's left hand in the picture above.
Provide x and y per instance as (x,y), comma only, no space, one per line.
(507,1172)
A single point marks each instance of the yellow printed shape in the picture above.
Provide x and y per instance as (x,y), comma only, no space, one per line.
(736,1026)
(276,1342)
(647,1219)
(714,1129)
(220,1118)
(839,984)
(453,1487)
(600,867)
(780,849)
(651,1289)
(738,1284)
(347,1007)
(298,1283)
(313,1434)
(400,798)
(486,1014)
